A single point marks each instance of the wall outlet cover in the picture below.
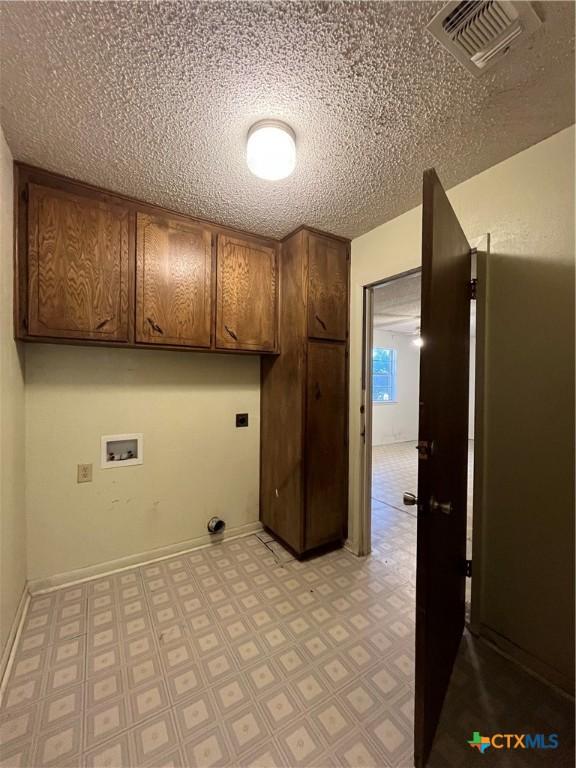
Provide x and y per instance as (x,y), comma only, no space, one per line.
(84,473)
(241,419)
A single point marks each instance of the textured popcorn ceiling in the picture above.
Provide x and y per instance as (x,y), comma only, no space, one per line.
(154,100)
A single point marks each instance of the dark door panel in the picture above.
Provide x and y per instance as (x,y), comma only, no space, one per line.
(443,457)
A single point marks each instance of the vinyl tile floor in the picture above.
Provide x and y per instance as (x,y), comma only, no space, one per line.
(239,655)
(234,655)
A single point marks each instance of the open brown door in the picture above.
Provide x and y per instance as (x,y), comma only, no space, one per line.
(443,457)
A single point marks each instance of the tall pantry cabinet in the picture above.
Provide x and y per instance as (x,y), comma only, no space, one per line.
(304,397)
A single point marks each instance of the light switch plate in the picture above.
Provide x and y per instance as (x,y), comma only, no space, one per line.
(84,473)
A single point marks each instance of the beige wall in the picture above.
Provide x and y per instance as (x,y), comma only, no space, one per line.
(12,521)
(196,462)
(527,536)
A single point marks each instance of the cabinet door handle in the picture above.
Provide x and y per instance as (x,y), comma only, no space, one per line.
(231,333)
(322,323)
(154,326)
(103,323)
(318,392)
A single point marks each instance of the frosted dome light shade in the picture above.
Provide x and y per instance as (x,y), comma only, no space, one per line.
(271,150)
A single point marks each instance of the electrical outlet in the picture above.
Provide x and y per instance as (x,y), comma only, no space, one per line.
(241,419)
(84,473)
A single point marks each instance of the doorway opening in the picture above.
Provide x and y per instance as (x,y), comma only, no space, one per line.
(391,411)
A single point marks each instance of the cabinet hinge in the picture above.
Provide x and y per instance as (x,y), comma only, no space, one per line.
(472,285)
(469,568)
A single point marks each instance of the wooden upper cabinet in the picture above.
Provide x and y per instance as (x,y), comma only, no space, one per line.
(327,288)
(77,266)
(173,282)
(246,315)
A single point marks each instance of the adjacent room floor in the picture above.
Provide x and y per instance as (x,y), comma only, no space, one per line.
(235,655)
(395,470)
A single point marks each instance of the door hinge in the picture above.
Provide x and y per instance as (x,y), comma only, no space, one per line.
(472,285)
(469,568)
(24,195)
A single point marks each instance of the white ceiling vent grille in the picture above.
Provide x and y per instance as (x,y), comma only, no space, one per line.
(480,32)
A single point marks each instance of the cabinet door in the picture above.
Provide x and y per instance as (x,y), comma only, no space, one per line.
(246,315)
(77,266)
(327,288)
(326,443)
(173,282)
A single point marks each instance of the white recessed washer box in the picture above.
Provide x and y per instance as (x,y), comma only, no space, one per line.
(122,450)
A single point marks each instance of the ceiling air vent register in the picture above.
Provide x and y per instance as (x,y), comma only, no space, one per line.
(480,32)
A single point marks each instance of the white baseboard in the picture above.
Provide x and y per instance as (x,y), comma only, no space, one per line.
(49,583)
(7,657)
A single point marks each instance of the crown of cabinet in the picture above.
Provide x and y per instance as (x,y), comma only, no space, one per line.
(93,267)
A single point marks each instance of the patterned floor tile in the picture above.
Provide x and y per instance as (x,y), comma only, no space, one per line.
(207,749)
(246,729)
(194,714)
(67,674)
(391,738)
(104,661)
(174,759)
(300,743)
(184,682)
(143,670)
(332,720)
(64,706)
(264,676)
(267,755)
(18,726)
(154,737)
(103,687)
(148,700)
(310,687)
(60,745)
(21,693)
(115,753)
(361,700)
(357,751)
(17,756)
(104,721)
(279,707)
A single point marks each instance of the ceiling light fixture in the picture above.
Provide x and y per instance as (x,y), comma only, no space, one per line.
(271,150)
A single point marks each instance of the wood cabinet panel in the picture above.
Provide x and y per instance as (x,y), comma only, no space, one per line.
(327,288)
(246,295)
(173,282)
(282,404)
(77,266)
(326,443)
